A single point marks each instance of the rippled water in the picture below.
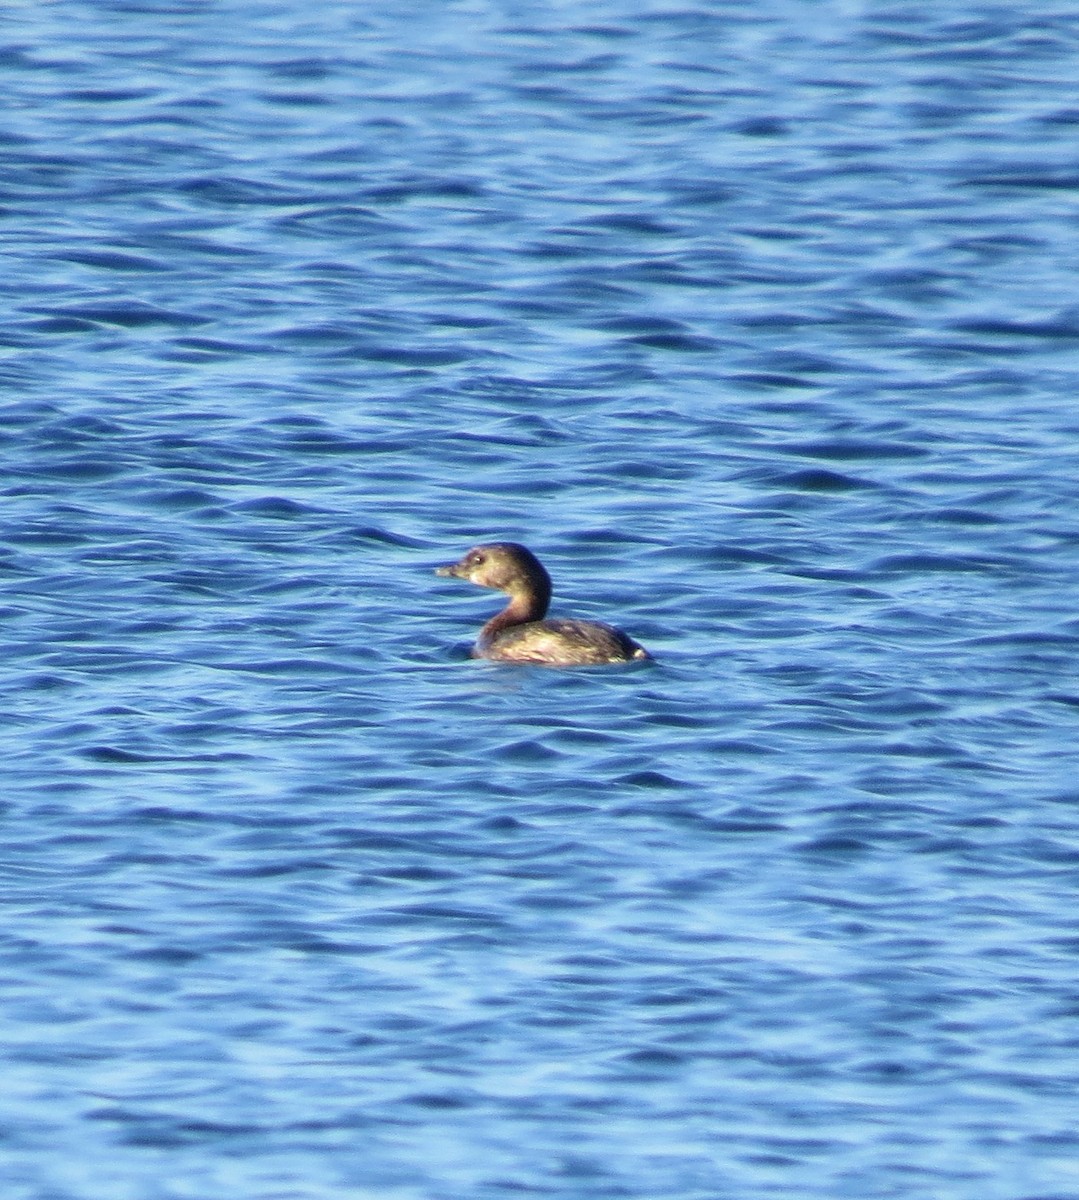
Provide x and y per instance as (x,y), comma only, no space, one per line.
(759,324)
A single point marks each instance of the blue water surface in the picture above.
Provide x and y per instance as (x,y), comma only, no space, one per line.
(759,323)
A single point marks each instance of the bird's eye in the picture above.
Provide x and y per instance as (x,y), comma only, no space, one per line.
(478,560)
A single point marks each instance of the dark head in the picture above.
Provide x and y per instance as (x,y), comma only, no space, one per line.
(506,567)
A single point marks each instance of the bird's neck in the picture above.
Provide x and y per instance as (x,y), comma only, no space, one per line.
(524,606)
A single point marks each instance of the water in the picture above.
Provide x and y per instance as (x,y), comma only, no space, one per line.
(758,324)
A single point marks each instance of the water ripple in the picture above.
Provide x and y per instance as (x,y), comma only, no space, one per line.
(740,320)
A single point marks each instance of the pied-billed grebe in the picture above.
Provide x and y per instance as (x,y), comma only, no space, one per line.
(519,633)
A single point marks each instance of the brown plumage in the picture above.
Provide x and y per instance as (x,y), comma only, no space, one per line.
(519,633)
